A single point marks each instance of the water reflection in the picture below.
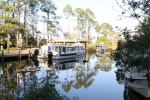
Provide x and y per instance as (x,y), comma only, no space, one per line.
(20,79)
(119,76)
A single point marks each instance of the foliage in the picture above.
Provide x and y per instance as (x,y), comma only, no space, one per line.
(68,13)
(107,30)
(85,20)
(8,22)
(104,40)
(42,88)
(46,92)
(91,47)
(134,50)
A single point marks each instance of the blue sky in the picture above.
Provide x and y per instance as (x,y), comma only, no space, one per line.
(106,11)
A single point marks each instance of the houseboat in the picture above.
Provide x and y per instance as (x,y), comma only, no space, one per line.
(100,48)
(58,51)
(79,49)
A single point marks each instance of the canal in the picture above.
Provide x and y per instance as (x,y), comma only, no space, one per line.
(91,77)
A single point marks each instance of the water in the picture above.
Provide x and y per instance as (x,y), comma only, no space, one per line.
(99,85)
(92,80)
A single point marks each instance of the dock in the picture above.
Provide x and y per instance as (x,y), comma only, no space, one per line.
(27,70)
(16,54)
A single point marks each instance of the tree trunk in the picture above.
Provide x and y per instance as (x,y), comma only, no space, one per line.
(8,37)
(88,37)
(25,22)
(68,28)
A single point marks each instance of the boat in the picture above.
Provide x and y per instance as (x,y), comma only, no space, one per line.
(79,49)
(138,81)
(100,48)
(99,54)
(129,94)
(58,51)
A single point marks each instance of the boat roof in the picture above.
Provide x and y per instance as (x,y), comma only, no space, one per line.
(57,46)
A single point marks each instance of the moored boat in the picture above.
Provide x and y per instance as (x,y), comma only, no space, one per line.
(79,49)
(58,51)
(100,48)
(138,81)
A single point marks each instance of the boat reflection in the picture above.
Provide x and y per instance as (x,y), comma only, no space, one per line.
(103,61)
(64,64)
(130,94)
(99,54)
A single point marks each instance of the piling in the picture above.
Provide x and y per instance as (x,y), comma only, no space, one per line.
(50,57)
(29,54)
(2,53)
(19,54)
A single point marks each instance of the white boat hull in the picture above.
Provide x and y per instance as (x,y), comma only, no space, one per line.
(140,86)
(138,81)
(64,56)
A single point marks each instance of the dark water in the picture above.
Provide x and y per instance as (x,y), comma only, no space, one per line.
(72,78)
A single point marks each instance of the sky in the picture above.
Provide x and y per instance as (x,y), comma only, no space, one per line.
(106,11)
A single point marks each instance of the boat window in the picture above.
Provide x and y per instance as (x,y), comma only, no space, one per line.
(57,49)
(64,49)
(49,48)
(52,48)
(60,49)
(77,48)
(72,49)
(81,48)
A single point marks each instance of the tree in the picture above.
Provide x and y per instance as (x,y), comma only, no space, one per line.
(68,13)
(104,40)
(133,50)
(90,18)
(49,8)
(81,21)
(32,12)
(7,22)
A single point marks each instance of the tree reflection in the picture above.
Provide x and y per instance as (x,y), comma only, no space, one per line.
(67,86)
(19,81)
(84,75)
(104,63)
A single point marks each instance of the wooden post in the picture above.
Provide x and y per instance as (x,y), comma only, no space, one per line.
(8,43)
(85,45)
(19,54)
(29,55)
(2,53)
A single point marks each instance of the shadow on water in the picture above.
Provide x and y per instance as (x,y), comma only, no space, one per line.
(35,79)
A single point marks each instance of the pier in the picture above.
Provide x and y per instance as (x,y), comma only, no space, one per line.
(16,54)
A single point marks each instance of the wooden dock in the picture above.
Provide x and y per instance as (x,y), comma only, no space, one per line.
(27,70)
(16,54)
